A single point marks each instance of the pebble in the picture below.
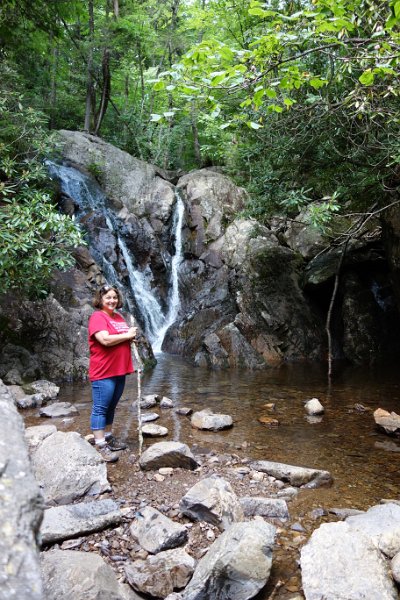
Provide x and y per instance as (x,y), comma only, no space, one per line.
(165,470)
(158,477)
(257,476)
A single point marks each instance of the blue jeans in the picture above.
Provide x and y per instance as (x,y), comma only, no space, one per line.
(106,394)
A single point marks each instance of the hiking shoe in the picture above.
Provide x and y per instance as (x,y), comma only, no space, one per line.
(107,453)
(115,444)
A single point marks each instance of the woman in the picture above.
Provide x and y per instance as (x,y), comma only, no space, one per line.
(110,361)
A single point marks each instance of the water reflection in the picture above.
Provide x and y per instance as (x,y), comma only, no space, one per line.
(364,462)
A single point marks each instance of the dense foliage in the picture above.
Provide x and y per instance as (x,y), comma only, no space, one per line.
(297,100)
(35,237)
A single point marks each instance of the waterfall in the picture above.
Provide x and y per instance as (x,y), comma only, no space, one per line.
(88,195)
(173,300)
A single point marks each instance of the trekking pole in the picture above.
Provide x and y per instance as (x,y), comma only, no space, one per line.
(139,370)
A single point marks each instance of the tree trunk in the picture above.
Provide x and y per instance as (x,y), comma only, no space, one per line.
(195,131)
(53,87)
(89,71)
(105,96)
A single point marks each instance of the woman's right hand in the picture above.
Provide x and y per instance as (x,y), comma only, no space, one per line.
(132,331)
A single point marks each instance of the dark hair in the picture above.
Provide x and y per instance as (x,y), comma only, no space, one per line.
(98,297)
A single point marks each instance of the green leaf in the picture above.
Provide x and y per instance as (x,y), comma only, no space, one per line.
(367,78)
(158,86)
(253,125)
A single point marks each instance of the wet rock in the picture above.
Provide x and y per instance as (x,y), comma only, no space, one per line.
(32,401)
(147,417)
(59,409)
(21,509)
(340,562)
(314,407)
(156,532)
(67,468)
(206,419)
(42,386)
(152,430)
(265,507)
(237,565)
(166,403)
(167,454)
(382,524)
(212,500)
(388,446)
(297,476)
(389,422)
(72,574)
(64,522)
(159,575)
(149,401)
(184,410)
(268,421)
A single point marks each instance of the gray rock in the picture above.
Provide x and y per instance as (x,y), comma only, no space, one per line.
(395,567)
(341,562)
(152,430)
(149,401)
(212,500)
(156,532)
(64,522)
(298,476)
(206,419)
(58,409)
(314,407)
(67,468)
(166,402)
(35,435)
(70,574)
(343,513)
(32,401)
(184,410)
(151,416)
(237,565)
(159,575)
(265,507)
(382,524)
(42,386)
(167,454)
(21,509)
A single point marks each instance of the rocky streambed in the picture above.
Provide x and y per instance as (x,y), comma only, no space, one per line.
(192,523)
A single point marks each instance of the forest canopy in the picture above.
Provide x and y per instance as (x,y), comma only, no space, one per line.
(297,101)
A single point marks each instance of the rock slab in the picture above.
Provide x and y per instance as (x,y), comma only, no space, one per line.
(167,454)
(237,565)
(21,509)
(64,522)
(212,500)
(156,532)
(342,563)
(298,476)
(382,524)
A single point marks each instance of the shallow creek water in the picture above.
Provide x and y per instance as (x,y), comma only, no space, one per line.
(364,463)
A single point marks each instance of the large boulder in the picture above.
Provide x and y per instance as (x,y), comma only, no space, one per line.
(21,509)
(212,500)
(67,468)
(237,565)
(342,562)
(69,574)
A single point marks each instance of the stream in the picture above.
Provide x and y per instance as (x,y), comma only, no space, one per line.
(364,462)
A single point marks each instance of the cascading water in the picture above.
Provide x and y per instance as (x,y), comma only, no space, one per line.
(89,197)
(173,300)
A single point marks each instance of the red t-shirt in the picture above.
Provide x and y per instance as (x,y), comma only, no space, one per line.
(108,361)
